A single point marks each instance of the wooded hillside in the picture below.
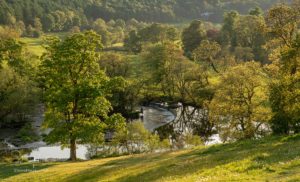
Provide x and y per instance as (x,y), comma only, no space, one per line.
(80,11)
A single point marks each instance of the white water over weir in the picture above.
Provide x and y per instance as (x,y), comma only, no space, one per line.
(155,117)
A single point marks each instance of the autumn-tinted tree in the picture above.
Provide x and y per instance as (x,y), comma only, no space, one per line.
(282,21)
(285,92)
(207,52)
(240,105)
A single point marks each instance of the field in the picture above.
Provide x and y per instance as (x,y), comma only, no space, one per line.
(270,159)
(34,45)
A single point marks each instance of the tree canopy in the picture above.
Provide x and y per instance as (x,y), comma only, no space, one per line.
(76,91)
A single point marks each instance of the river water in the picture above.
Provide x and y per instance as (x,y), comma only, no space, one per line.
(153,117)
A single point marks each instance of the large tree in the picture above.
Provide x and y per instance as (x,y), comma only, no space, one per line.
(207,52)
(16,86)
(155,33)
(250,33)
(283,22)
(76,91)
(228,34)
(192,36)
(240,106)
(285,92)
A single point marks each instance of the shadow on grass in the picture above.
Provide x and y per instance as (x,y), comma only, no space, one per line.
(262,154)
(10,170)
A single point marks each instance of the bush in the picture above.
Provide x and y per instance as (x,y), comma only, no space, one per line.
(192,140)
(36,34)
(27,134)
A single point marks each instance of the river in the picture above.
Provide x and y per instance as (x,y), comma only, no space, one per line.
(153,117)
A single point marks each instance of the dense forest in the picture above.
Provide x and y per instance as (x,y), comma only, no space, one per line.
(238,78)
(79,12)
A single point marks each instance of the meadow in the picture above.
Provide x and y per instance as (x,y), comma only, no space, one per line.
(34,45)
(269,159)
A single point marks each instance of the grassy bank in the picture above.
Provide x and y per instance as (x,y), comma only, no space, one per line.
(271,159)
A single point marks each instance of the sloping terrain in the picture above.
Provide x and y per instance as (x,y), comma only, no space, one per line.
(270,159)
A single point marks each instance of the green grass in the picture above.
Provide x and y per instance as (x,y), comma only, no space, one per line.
(34,45)
(270,159)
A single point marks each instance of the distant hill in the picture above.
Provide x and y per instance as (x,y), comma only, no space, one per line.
(142,10)
(269,159)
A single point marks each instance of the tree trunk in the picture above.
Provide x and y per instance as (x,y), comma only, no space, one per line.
(73,150)
(214,67)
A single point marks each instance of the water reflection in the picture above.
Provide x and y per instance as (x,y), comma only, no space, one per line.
(167,123)
(190,120)
(153,117)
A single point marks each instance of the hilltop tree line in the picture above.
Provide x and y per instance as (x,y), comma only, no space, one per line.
(63,15)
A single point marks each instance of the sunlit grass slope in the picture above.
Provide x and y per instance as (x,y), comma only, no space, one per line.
(271,159)
(34,45)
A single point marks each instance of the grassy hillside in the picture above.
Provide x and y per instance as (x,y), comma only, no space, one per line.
(271,159)
(34,45)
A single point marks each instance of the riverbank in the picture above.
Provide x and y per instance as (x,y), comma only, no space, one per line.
(268,159)
(153,117)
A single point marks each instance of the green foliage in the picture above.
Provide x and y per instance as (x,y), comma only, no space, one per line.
(17,89)
(136,139)
(11,52)
(192,140)
(155,33)
(83,90)
(61,15)
(76,90)
(133,138)
(192,36)
(283,21)
(269,159)
(257,11)
(250,33)
(240,106)
(14,95)
(27,134)
(285,87)
(246,36)
(166,70)
(228,36)
(207,52)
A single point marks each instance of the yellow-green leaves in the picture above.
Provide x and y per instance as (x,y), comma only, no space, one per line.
(240,106)
(76,90)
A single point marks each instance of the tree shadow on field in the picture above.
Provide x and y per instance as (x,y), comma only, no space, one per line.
(10,170)
(155,167)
